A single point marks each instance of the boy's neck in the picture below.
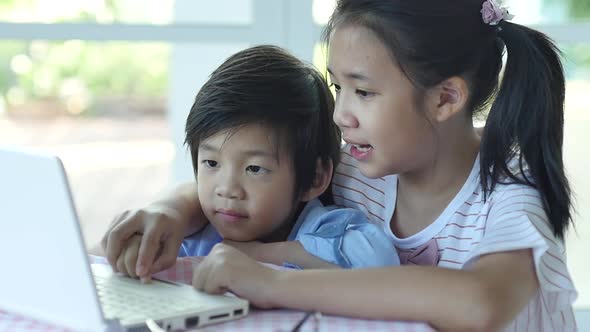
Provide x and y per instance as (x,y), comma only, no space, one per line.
(281,234)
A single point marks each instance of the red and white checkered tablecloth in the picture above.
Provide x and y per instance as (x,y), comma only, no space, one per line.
(257,320)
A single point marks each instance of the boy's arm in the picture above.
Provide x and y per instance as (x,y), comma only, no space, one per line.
(279,253)
(293,252)
(337,238)
(346,238)
(163,224)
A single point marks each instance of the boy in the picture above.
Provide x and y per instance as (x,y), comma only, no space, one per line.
(263,148)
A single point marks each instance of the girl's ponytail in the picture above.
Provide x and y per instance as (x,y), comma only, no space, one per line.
(526,119)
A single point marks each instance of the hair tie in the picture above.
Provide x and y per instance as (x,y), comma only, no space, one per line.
(492,12)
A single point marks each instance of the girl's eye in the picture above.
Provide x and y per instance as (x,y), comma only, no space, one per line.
(364,93)
(336,87)
(257,170)
(210,163)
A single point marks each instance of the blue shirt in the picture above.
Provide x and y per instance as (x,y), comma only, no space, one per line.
(341,236)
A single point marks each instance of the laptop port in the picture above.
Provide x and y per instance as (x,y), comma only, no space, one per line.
(238,312)
(218,316)
(191,322)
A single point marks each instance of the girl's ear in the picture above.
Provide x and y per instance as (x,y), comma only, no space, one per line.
(321,181)
(449,98)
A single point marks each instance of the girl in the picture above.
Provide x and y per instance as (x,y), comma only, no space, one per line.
(478,221)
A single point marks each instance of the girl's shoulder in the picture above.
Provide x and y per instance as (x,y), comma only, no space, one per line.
(512,217)
(515,219)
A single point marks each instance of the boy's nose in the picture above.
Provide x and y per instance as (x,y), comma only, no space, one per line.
(230,190)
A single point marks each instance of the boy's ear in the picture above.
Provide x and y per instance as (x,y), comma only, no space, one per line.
(321,181)
(449,98)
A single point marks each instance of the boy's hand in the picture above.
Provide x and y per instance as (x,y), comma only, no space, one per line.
(127,261)
(228,269)
(162,231)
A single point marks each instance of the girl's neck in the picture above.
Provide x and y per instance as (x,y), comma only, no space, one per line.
(423,195)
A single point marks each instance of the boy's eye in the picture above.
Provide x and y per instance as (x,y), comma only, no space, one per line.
(336,87)
(258,170)
(210,163)
(364,93)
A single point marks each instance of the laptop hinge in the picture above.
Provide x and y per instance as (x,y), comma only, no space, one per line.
(113,325)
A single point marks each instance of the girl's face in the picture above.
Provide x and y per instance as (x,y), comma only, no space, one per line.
(375,105)
(246,185)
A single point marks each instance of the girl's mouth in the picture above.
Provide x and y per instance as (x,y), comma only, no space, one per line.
(361,152)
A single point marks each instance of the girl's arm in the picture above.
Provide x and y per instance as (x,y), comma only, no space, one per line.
(486,297)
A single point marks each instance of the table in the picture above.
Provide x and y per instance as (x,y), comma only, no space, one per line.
(257,320)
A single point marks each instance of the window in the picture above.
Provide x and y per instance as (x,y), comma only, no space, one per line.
(107,85)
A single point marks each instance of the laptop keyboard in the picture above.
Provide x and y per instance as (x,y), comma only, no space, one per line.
(127,299)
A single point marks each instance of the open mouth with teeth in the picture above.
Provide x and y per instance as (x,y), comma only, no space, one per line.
(363,148)
(361,151)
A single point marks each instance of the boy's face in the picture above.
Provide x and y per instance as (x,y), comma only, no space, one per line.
(246,190)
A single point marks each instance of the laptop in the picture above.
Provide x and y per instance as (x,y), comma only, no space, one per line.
(46,272)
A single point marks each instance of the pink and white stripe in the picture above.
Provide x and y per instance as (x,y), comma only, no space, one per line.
(512,218)
(257,320)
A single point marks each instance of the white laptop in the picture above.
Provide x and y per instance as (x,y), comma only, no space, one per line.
(46,272)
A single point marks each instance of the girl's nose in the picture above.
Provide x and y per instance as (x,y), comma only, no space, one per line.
(343,115)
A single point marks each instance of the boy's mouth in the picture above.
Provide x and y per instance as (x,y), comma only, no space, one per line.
(231,215)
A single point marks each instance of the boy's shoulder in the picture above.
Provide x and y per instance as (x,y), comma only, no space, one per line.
(345,235)
(331,220)
(316,210)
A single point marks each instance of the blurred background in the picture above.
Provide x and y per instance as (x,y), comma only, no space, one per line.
(107,84)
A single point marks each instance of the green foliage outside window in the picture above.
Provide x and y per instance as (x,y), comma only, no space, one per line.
(82,71)
(88,71)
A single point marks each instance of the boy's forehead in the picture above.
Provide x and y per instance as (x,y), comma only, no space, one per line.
(252,140)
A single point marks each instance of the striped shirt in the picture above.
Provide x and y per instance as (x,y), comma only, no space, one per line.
(511,218)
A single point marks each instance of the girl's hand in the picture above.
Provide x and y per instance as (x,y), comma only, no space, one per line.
(228,269)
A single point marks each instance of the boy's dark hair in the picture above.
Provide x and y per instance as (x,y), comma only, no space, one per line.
(432,40)
(266,85)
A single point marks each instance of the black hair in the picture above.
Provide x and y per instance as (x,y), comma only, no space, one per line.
(433,40)
(266,85)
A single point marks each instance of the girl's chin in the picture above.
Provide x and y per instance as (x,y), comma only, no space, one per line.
(371,172)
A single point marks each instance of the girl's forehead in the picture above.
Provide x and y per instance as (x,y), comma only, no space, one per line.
(353,35)
(356,49)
